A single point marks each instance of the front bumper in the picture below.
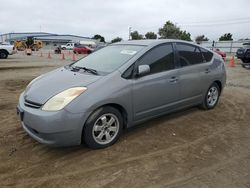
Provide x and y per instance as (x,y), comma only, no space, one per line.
(61,128)
(13,52)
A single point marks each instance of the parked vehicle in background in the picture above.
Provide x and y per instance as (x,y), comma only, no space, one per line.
(6,50)
(124,84)
(221,53)
(68,46)
(91,44)
(244,53)
(81,49)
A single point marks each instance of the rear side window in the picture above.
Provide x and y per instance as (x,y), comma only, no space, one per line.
(160,58)
(206,54)
(189,54)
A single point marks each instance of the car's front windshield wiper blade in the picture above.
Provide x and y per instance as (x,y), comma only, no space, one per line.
(93,71)
(72,68)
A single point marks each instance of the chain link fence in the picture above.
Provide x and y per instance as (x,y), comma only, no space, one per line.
(226,46)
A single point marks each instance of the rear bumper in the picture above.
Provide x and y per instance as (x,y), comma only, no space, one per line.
(60,128)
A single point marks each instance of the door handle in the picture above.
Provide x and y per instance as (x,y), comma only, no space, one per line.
(207,71)
(173,79)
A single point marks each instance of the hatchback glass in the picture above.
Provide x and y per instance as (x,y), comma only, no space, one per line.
(109,58)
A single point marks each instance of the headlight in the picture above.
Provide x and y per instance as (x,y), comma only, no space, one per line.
(60,100)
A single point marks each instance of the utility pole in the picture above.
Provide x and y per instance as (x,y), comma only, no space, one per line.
(129,32)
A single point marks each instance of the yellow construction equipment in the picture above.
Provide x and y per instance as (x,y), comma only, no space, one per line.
(29,44)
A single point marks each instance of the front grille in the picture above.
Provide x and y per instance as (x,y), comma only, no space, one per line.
(32,104)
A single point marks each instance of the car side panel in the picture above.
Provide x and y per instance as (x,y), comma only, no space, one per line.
(154,94)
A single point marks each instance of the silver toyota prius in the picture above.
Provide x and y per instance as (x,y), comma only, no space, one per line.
(93,99)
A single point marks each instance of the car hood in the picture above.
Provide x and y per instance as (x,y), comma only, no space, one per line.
(55,82)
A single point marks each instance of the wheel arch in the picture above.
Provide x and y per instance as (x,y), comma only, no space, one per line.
(121,109)
(218,82)
(3,50)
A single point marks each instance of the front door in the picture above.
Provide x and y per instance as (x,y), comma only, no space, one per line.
(158,91)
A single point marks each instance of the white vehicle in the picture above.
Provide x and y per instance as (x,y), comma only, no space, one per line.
(91,44)
(68,46)
(6,50)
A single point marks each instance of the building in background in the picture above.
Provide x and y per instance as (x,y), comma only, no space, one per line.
(49,39)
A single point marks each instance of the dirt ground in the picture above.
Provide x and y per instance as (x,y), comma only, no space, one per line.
(191,148)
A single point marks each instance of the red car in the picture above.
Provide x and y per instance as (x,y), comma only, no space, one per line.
(82,50)
(221,53)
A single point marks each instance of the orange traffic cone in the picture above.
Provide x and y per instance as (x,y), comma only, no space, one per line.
(49,56)
(63,57)
(74,57)
(232,63)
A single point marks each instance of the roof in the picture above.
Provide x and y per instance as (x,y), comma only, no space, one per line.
(149,42)
(41,35)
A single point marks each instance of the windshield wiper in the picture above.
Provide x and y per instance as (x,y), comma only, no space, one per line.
(89,70)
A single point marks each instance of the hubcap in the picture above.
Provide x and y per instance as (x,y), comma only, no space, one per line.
(212,96)
(105,128)
(2,55)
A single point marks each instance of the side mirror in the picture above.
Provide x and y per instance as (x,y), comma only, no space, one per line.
(143,70)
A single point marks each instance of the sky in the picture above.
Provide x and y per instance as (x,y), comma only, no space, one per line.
(111,18)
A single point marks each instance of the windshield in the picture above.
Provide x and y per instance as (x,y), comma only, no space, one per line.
(108,59)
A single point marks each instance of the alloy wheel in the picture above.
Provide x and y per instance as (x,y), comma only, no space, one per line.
(212,96)
(105,128)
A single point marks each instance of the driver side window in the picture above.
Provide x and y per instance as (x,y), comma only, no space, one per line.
(159,59)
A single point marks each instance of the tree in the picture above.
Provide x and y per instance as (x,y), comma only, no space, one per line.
(200,38)
(226,36)
(184,35)
(99,37)
(150,35)
(117,39)
(136,36)
(170,30)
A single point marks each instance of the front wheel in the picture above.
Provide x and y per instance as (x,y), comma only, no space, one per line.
(103,128)
(3,55)
(212,97)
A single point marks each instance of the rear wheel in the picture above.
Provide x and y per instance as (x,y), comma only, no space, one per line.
(103,128)
(3,54)
(212,97)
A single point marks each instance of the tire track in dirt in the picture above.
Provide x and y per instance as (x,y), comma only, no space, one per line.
(180,181)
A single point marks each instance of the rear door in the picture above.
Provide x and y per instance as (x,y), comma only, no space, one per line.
(193,69)
(156,92)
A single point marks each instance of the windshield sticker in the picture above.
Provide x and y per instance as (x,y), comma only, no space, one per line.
(128,52)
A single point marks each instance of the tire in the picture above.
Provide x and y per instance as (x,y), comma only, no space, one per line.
(212,97)
(102,128)
(63,48)
(3,54)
